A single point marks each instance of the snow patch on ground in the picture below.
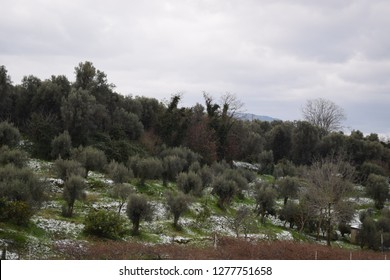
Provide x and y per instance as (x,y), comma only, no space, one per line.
(284,235)
(57,227)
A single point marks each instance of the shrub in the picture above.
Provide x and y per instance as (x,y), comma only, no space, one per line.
(105,224)
(9,134)
(15,212)
(21,184)
(16,157)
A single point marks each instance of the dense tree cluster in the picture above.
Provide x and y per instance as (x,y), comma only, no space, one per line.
(86,126)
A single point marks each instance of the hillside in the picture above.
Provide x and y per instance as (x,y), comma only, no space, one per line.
(204,227)
(73,154)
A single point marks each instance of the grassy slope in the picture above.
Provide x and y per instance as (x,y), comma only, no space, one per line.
(51,236)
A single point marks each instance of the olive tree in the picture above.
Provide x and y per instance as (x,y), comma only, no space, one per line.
(91,158)
(265,196)
(177,204)
(121,192)
(138,208)
(119,172)
(73,190)
(189,183)
(377,187)
(225,190)
(65,168)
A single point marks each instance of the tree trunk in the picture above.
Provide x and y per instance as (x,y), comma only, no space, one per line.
(136,227)
(175,220)
(328,233)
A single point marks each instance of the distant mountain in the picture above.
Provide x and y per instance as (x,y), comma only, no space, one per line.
(251,117)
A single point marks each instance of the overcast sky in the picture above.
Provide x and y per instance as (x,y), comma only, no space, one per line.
(273,54)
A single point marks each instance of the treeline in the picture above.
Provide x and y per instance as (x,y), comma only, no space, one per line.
(93,114)
(85,125)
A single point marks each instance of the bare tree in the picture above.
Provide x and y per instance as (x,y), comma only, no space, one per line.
(328,186)
(324,114)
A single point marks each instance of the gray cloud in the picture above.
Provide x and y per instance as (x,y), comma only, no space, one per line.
(273,54)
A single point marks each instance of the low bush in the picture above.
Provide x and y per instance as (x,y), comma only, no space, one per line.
(105,224)
(15,212)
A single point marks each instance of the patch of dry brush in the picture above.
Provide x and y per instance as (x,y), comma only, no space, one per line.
(228,248)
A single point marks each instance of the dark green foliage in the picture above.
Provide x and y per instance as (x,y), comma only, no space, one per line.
(49,94)
(151,110)
(9,134)
(378,189)
(77,112)
(73,190)
(280,141)
(105,224)
(290,213)
(177,204)
(368,168)
(174,122)
(118,172)
(138,209)
(305,138)
(6,92)
(333,143)
(125,125)
(13,156)
(61,146)
(120,150)
(66,168)
(41,129)
(368,234)
(189,183)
